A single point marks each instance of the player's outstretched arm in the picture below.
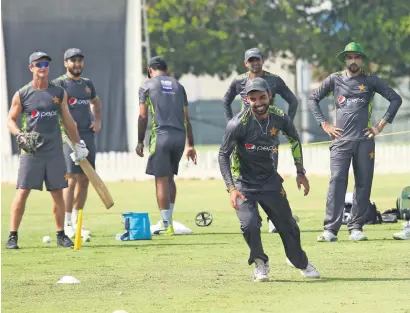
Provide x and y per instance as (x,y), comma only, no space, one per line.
(14,113)
(229,96)
(283,90)
(229,143)
(291,134)
(69,124)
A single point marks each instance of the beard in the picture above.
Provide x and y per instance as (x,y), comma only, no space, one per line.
(255,68)
(354,68)
(260,109)
(75,72)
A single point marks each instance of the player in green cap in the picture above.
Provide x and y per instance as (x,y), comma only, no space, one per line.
(352,138)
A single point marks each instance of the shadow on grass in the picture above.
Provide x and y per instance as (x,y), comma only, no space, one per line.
(124,244)
(341,279)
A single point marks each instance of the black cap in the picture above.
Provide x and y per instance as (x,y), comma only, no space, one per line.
(257,84)
(38,55)
(72,52)
(157,60)
(253,53)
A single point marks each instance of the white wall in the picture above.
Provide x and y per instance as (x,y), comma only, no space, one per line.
(128,166)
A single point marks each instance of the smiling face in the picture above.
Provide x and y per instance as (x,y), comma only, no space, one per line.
(354,61)
(75,65)
(254,64)
(259,101)
(40,68)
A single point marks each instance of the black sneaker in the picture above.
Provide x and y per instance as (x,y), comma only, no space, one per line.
(12,242)
(64,241)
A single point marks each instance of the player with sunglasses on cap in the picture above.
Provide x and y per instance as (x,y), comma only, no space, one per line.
(85,108)
(41,104)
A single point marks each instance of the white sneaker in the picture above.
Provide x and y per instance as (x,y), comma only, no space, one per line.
(310,272)
(261,272)
(357,235)
(403,235)
(69,231)
(327,236)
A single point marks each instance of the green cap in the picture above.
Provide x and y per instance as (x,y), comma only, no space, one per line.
(351,47)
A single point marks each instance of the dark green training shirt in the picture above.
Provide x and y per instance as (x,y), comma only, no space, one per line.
(353,99)
(252,144)
(276,84)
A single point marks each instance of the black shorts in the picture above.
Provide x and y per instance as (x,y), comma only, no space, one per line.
(90,144)
(166,150)
(35,170)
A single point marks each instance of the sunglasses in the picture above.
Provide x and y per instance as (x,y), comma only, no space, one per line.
(42,64)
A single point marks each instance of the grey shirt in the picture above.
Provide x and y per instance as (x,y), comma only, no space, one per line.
(40,113)
(166,99)
(276,84)
(79,96)
(245,156)
(354,102)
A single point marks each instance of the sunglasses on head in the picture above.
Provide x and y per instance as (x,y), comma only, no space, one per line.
(42,64)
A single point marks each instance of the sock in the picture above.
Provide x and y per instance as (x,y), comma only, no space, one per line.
(13,233)
(67,218)
(60,233)
(171,209)
(74,216)
(166,217)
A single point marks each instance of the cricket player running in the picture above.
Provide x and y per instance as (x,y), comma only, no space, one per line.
(41,104)
(353,138)
(85,108)
(171,132)
(252,178)
(254,63)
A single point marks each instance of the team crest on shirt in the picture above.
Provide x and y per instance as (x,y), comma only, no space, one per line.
(166,86)
(273,131)
(56,100)
(362,87)
(87,90)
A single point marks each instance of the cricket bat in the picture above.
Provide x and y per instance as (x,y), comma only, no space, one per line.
(93,177)
(77,240)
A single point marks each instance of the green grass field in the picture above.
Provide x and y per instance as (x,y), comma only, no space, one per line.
(206,271)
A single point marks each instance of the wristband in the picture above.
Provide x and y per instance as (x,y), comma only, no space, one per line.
(140,145)
(230,190)
(301,171)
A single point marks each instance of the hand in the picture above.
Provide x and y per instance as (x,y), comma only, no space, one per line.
(80,153)
(332,130)
(372,132)
(191,154)
(95,126)
(29,142)
(234,195)
(140,149)
(301,179)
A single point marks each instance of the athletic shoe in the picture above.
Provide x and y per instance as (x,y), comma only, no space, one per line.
(64,241)
(12,242)
(261,272)
(169,231)
(357,235)
(403,235)
(310,272)
(327,236)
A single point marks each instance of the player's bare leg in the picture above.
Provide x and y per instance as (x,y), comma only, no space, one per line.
(68,194)
(17,212)
(59,210)
(172,194)
(163,198)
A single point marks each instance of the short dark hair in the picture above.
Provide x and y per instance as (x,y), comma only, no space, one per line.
(159,67)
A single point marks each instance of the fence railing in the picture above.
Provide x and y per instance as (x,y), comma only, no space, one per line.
(120,166)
